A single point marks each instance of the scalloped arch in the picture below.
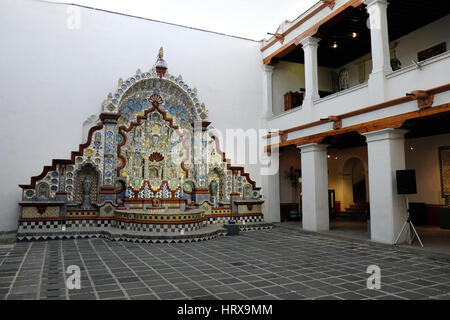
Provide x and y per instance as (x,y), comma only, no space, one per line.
(114,100)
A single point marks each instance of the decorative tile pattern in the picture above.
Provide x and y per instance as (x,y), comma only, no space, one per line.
(151,149)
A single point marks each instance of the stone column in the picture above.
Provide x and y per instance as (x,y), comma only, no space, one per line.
(270,189)
(199,143)
(315,187)
(379,40)
(386,153)
(267,91)
(107,191)
(310,45)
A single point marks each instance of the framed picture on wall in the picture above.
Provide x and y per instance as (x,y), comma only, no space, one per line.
(431,52)
(444,166)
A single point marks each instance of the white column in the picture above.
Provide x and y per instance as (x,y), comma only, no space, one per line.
(379,39)
(270,185)
(270,189)
(386,154)
(267,91)
(310,45)
(315,187)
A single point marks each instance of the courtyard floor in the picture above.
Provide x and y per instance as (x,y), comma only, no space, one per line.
(273,264)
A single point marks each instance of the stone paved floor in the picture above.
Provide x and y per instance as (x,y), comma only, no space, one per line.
(271,264)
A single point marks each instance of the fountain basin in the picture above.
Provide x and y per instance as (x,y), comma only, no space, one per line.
(159,220)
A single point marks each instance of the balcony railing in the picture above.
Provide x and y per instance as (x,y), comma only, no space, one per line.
(430,73)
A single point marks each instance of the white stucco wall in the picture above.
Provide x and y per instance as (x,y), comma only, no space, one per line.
(421,39)
(422,155)
(290,157)
(53,78)
(336,163)
(338,178)
(290,76)
(407,48)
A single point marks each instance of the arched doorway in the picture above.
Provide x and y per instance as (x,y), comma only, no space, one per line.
(354,184)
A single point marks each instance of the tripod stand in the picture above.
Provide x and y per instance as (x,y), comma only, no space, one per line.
(410,225)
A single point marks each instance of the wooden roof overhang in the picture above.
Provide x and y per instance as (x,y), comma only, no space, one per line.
(404,16)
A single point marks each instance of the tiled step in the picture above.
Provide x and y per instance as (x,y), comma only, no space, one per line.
(114,234)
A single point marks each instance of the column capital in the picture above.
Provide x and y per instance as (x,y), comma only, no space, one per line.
(310,41)
(370,3)
(268,68)
(385,134)
(313,147)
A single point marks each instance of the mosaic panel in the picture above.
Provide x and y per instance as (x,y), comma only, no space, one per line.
(150,150)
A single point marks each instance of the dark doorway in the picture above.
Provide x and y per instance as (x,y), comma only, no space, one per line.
(355,190)
(359,191)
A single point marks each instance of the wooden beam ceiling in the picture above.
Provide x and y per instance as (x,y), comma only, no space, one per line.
(404,16)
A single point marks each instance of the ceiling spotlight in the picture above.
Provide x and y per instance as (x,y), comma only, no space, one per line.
(354,35)
(334,45)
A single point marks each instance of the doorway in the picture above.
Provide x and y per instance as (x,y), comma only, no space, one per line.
(354,181)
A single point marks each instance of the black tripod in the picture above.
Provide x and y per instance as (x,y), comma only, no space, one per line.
(410,225)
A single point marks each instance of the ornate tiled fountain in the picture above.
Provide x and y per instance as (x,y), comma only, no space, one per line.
(150,171)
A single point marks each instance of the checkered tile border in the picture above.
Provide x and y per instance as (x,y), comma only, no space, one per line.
(246,219)
(34,225)
(48,230)
(81,224)
(123,237)
(161,227)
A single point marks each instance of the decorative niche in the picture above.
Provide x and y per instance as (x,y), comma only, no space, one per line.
(87,170)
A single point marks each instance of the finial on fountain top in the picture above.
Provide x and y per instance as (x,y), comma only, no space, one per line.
(161,65)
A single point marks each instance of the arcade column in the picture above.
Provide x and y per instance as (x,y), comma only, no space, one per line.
(386,154)
(315,187)
(309,46)
(379,39)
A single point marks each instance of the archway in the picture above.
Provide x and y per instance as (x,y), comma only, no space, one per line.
(354,184)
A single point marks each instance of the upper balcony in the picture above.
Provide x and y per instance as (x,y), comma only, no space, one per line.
(416,49)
